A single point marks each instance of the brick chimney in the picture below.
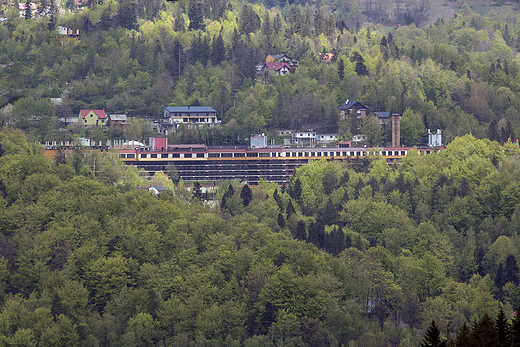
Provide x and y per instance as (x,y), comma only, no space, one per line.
(396,130)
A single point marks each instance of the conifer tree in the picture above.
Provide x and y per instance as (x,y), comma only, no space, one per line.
(28,12)
(196,16)
(432,338)
(301,234)
(290,209)
(278,200)
(218,51)
(483,332)
(515,329)
(281,220)
(502,328)
(197,192)
(341,69)
(246,195)
(493,131)
(296,191)
(463,338)
(511,270)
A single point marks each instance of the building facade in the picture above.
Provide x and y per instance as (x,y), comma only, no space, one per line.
(190,115)
(92,117)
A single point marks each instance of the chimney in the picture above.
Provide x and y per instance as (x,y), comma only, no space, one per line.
(396,130)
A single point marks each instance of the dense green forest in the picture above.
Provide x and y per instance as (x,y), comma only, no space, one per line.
(459,75)
(352,254)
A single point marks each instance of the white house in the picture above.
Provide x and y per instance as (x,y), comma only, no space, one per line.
(303,137)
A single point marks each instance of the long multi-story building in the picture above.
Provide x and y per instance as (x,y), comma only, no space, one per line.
(205,163)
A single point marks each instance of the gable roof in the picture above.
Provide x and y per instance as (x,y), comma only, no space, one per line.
(189,109)
(277,66)
(23,6)
(118,117)
(351,104)
(382,114)
(159,188)
(100,113)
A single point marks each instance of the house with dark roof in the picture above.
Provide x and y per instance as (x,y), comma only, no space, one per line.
(349,108)
(117,119)
(383,118)
(92,117)
(190,115)
(158,190)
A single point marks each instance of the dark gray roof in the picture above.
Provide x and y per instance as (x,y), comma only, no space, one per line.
(351,104)
(189,109)
(159,188)
(382,114)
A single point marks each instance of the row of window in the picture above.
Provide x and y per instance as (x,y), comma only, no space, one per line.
(261,154)
(196,120)
(193,114)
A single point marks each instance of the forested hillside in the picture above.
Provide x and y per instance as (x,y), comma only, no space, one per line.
(459,75)
(349,254)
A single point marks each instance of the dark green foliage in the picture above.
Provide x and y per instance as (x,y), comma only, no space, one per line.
(341,69)
(278,200)
(218,53)
(246,195)
(196,15)
(289,211)
(28,11)
(301,233)
(227,195)
(515,329)
(499,280)
(432,338)
(249,21)
(197,192)
(484,332)
(281,220)
(295,191)
(502,328)
(463,338)
(511,274)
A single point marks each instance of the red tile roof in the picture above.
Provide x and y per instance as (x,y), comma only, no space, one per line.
(100,113)
(277,66)
(23,6)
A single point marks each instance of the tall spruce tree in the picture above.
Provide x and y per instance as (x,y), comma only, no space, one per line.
(300,234)
(502,328)
(290,209)
(246,195)
(515,329)
(278,200)
(341,69)
(463,338)
(432,338)
(281,220)
(218,50)
(28,12)
(484,332)
(196,16)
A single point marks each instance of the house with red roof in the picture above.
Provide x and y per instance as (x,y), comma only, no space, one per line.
(281,69)
(23,6)
(92,117)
